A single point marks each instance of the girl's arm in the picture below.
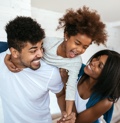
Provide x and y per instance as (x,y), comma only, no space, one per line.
(92,114)
(10,65)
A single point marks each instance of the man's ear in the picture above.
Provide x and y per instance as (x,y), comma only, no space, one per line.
(14,52)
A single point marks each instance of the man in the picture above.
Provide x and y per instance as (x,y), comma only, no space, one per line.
(25,95)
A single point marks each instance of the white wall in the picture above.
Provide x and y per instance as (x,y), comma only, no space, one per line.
(10,9)
(114,38)
(48,20)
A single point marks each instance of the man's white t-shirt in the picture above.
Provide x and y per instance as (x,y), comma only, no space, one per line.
(25,95)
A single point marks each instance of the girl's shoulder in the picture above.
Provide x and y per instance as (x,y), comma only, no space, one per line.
(49,42)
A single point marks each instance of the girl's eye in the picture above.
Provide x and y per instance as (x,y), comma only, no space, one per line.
(77,43)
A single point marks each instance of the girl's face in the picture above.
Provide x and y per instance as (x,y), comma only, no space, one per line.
(76,45)
(95,67)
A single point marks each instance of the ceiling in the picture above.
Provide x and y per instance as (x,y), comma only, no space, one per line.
(108,9)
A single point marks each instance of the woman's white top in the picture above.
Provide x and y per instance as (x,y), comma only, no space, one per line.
(80,103)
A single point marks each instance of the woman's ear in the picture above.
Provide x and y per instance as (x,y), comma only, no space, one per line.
(14,52)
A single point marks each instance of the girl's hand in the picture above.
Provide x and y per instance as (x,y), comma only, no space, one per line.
(10,65)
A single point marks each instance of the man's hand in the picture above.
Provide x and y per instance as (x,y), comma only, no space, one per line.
(67,119)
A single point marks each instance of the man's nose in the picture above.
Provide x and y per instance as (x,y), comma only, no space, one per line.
(40,53)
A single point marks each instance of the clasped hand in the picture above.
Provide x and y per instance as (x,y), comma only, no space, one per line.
(67,119)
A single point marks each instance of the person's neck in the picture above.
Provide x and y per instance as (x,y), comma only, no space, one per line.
(16,62)
(84,89)
(61,50)
(90,82)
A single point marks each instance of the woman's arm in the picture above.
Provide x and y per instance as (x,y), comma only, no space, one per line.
(92,114)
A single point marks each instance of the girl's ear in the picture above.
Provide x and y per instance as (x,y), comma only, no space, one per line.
(65,37)
(14,52)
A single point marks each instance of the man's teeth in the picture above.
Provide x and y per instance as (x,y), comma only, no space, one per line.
(36,61)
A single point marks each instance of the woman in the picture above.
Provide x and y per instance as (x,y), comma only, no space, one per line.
(98,88)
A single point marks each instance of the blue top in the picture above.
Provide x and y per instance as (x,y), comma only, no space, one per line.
(95,98)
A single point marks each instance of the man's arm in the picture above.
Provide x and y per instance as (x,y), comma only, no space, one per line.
(61,96)
(56,86)
(61,100)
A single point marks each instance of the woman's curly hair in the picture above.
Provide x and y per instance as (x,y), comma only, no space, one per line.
(84,21)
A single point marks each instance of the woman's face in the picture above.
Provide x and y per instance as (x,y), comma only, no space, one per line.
(95,67)
(76,45)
